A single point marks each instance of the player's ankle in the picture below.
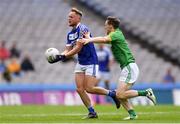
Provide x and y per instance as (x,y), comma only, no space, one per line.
(111,93)
(142,93)
(91,109)
(132,112)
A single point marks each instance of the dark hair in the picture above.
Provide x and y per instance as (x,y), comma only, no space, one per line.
(115,22)
(77,11)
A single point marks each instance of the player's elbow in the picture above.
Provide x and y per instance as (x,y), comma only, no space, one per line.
(79,47)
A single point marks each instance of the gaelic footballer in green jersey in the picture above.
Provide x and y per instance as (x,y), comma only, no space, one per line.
(129,69)
(120,48)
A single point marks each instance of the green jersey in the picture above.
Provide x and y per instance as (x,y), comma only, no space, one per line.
(120,48)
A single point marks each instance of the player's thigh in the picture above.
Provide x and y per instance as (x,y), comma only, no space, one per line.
(122,87)
(129,74)
(80,79)
(90,75)
(90,81)
(79,75)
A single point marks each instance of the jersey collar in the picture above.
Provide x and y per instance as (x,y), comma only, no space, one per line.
(76,27)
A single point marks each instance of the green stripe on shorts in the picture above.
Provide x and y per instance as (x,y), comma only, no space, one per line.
(129,74)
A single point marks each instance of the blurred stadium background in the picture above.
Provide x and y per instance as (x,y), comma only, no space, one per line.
(152,29)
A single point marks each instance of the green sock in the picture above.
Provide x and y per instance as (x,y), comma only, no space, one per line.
(142,93)
(132,112)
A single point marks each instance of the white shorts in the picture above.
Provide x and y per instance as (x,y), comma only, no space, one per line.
(104,76)
(129,73)
(91,70)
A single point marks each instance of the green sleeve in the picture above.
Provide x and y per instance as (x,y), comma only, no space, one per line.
(113,36)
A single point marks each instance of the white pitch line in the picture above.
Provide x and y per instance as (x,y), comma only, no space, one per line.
(79,114)
(91,123)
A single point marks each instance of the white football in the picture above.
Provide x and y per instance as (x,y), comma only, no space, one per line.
(51,54)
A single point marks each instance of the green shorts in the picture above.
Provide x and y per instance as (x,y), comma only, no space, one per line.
(129,73)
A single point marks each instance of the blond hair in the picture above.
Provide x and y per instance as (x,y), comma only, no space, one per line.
(77,11)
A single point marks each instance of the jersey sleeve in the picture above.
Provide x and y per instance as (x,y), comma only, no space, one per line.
(83,29)
(113,36)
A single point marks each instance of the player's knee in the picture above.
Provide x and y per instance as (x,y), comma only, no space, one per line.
(120,95)
(80,90)
(89,89)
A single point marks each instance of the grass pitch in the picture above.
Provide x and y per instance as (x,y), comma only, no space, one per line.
(74,114)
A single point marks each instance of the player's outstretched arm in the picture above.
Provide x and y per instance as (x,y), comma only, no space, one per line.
(105,39)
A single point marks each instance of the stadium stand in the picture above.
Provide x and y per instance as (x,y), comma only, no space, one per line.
(156,17)
(40,24)
(151,21)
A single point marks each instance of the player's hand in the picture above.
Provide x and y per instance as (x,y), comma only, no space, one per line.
(84,41)
(87,35)
(57,58)
(51,59)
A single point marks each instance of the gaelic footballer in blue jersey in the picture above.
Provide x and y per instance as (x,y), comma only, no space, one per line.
(87,54)
(105,60)
(86,68)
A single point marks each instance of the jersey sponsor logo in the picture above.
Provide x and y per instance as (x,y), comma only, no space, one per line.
(73,36)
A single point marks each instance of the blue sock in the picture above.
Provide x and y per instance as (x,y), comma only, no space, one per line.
(111,93)
(91,109)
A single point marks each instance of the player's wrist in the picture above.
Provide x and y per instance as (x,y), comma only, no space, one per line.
(89,40)
(60,57)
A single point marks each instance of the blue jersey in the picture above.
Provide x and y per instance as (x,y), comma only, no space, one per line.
(104,56)
(87,55)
